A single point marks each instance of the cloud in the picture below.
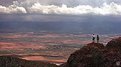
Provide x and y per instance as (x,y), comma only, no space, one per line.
(71,3)
(105,9)
(12,9)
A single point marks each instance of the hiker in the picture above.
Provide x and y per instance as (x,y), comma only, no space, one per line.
(98,38)
(93,37)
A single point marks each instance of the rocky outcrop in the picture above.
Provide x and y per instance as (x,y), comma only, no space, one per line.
(114,44)
(96,45)
(97,55)
(88,56)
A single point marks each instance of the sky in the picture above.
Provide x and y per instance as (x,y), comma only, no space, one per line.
(71,7)
(100,16)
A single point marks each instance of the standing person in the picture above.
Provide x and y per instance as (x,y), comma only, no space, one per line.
(93,37)
(98,38)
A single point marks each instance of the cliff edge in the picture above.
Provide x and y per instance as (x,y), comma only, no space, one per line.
(97,55)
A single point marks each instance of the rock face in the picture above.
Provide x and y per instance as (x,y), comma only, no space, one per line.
(88,56)
(96,55)
(114,44)
(8,61)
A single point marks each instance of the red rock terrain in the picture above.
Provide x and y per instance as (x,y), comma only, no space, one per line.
(55,48)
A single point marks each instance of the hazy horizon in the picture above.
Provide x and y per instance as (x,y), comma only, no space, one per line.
(109,24)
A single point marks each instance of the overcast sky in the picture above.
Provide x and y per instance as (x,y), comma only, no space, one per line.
(61,15)
(67,2)
(73,7)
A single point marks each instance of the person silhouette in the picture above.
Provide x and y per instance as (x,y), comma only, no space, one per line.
(93,38)
(98,38)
